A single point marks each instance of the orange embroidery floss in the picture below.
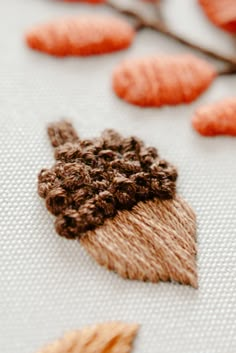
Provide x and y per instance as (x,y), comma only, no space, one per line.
(221,12)
(81,36)
(216,119)
(162,80)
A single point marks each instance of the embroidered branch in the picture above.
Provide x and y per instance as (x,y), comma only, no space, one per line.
(161,27)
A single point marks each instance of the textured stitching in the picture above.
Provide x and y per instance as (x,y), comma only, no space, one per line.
(154,241)
(49,285)
(222,13)
(81,36)
(162,80)
(93,179)
(111,337)
(216,118)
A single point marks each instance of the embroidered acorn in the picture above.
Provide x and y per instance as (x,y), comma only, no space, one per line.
(216,119)
(162,80)
(118,197)
(221,12)
(110,337)
(81,36)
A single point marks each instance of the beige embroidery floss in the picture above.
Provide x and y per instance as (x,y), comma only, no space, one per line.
(119,199)
(153,242)
(110,337)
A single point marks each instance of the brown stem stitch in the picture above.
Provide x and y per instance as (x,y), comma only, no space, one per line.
(161,27)
(118,197)
(93,179)
(110,337)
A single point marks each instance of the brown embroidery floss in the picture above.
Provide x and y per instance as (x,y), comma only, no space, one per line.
(81,36)
(119,198)
(110,337)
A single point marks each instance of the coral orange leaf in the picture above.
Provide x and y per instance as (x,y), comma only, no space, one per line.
(216,119)
(221,12)
(162,80)
(81,36)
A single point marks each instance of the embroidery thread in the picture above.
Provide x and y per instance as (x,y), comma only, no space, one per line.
(118,197)
(162,80)
(81,36)
(110,337)
(160,26)
(93,179)
(222,13)
(216,118)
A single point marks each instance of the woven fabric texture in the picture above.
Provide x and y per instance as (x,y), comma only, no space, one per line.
(49,285)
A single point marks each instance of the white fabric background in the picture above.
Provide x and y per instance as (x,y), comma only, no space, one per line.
(49,285)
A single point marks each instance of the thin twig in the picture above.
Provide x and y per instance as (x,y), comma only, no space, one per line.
(161,27)
(127,12)
(228,70)
(138,26)
(166,31)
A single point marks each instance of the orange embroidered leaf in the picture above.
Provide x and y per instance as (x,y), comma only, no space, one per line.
(110,337)
(81,36)
(162,80)
(216,119)
(221,12)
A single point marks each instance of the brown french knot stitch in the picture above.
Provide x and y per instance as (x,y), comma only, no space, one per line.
(94,178)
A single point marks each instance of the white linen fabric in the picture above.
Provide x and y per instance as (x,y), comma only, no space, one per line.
(49,285)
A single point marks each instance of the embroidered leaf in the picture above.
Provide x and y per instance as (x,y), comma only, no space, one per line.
(216,119)
(118,197)
(162,80)
(111,337)
(81,36)
(221,12)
